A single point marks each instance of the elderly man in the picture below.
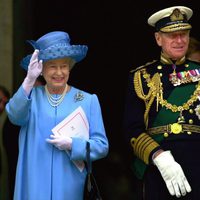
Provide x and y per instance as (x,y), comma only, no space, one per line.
(164,94)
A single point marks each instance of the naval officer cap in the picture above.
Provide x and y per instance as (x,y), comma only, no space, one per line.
(171,19)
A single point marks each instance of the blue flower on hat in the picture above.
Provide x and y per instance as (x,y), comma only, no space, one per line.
(55,45)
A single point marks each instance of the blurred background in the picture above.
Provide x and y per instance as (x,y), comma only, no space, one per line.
(118,38)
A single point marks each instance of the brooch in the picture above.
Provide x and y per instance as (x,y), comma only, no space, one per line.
(78,96)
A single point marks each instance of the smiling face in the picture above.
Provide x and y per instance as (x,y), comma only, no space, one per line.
(175,44)
(56,74)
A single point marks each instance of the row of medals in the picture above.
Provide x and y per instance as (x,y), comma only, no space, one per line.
(178,78)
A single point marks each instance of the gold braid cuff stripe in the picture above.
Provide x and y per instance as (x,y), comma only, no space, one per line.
(143,146)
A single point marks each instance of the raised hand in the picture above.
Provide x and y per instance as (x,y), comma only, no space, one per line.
(34,70)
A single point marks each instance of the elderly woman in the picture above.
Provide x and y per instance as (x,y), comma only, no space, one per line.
(51,166)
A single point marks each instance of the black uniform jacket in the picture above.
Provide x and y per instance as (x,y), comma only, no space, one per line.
(159,114)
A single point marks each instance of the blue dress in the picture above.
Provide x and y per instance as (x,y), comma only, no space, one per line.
(43,171)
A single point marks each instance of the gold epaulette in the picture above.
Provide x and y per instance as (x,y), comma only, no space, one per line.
(142,66)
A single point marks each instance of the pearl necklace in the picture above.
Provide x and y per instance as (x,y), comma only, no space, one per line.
(55,101)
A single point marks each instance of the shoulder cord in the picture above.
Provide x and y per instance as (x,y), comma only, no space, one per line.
(154,85)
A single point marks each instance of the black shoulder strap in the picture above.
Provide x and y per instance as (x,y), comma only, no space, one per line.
(92,187)
(88,161)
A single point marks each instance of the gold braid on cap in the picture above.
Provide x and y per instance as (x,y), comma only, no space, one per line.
(154,85)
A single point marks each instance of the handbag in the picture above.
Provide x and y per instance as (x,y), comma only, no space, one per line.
(91,190)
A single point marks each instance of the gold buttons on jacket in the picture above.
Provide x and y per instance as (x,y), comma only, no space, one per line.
(190,121)
(159,67)
(191,111)
(166,134)
(186,65)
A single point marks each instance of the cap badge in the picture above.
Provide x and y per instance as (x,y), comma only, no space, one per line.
(176,15)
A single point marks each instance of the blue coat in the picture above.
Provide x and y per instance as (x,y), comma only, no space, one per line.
(43,171)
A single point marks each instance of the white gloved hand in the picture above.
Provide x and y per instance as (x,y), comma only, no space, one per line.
(34,70)
(62,142)
(172,174)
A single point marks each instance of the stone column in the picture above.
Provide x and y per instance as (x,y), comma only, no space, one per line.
(6,41)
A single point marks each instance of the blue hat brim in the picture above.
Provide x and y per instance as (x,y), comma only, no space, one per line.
(75,52)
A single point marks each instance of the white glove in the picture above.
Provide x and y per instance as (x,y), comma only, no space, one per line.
(34,70)
(62,142)
(172,174)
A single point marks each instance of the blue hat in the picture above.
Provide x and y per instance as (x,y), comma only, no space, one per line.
(171,19)
(55,45)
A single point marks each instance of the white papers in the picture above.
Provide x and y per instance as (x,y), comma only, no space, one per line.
(74,125)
